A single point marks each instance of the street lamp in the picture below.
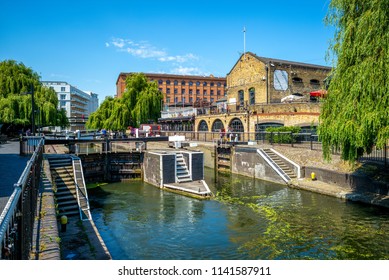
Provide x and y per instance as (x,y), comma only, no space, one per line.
(33,110)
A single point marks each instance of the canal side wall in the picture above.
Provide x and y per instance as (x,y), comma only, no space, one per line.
(246,161)
(357,182)
(152,169)
(111,166)
(196,160)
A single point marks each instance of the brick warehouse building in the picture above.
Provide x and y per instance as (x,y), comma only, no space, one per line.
(181,89)
(255,87)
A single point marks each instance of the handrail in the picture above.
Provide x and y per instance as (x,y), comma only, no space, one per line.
(273,165)
(81,189)
(17,218)
(290,161)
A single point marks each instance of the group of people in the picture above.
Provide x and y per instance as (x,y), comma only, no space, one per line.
(229,133)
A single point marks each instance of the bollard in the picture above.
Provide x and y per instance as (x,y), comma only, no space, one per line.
(313,176)
(64,221)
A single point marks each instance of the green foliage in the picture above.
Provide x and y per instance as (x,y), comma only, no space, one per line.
(140,103)
(355,115)
(16,84)
(282,134)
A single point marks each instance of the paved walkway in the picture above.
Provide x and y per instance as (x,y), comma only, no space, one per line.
(11,167)
(340,192)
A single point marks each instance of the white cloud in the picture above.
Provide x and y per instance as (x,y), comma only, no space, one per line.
(178,58)
(188,71)
(145,50)
(119,43)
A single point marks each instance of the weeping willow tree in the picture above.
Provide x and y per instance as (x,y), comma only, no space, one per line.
(140,103)
(355,116)
(16,83)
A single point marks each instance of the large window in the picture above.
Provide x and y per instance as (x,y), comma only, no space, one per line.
(217,126)
(280,80)
(252,96)
(203,126)
(236,127)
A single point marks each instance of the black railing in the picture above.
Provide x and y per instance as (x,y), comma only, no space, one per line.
(377,155)
(306,140)
(17,219)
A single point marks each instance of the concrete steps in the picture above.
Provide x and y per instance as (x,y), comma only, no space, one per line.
(182,172)
(63,177)
(280,162)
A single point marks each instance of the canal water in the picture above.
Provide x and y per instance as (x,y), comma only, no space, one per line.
(248,219)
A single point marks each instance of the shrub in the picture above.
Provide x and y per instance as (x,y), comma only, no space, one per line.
(282,134)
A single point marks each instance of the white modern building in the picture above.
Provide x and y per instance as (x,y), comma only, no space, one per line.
(78,104)
(93,102)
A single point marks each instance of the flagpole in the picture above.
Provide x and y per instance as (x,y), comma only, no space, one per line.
(244,42)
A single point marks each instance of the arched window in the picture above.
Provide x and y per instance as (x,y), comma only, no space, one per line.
(175,82)
(197,83)
(217,126)
(190,83)
(241,97)
(183,83)
(236,125)
(160,82)
(205,83)
(168,82)
(297,80)
(203,126)
(252,96)
(314,82)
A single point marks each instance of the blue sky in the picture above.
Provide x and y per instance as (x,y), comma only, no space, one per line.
(88,43)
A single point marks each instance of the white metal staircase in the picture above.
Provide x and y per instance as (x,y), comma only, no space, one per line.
(81,192)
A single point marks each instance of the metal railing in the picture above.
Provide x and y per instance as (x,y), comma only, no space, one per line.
(273,165)
(377,155)
(28,144)
(17,219)
(307,140)
(81,191)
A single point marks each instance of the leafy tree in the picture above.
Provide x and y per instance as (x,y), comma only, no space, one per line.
(140,103)
(16,81)
(143,99)
(355,115)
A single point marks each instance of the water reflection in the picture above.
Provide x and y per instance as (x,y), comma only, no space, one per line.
(249,219)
